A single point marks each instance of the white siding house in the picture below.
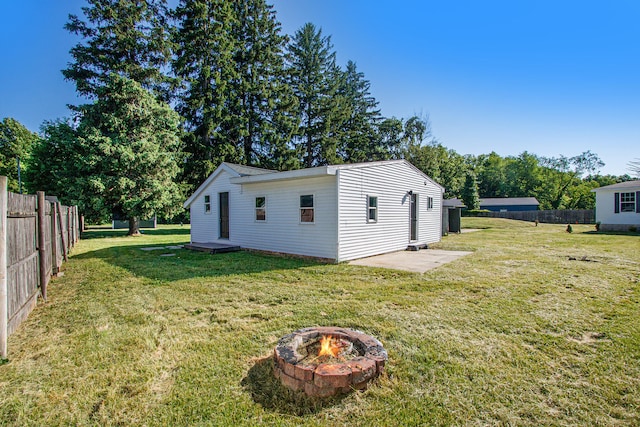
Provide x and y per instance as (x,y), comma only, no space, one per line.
(618,206)
(339,212)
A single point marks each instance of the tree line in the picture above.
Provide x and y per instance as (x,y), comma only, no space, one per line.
(174,92)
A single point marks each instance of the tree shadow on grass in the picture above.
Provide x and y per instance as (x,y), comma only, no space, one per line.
(266,390)
(171,263)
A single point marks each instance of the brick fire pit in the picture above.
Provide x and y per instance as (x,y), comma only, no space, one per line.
(360,360)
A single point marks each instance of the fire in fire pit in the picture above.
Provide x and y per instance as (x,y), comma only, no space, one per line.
(324,361)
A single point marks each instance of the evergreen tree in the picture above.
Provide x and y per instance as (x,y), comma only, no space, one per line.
(316,80)
(123,155)
(16,142)
(260,112)
(359,141)
(470,192)
(127,37)
(204,61)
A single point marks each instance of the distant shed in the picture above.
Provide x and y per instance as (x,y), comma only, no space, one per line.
(451,216)
(509,204)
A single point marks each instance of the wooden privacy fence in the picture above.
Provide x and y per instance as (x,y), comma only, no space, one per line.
(35,237)
(558,216)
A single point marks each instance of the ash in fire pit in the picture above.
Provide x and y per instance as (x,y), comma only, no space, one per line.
(324,361)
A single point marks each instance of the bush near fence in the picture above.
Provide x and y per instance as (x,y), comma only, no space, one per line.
(35,237)
(558,216)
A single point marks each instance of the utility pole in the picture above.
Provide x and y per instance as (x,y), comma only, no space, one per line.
(19,178)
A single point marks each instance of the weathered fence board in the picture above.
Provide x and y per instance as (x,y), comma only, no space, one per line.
(34,236)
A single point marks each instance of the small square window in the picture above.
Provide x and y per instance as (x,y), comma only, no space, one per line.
(307,213)
(261,208)
(372,208)
(207,204)
(429,203)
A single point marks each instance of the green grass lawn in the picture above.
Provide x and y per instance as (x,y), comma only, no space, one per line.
(536,327)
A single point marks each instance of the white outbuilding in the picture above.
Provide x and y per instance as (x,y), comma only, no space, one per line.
(618,206)
(337,212)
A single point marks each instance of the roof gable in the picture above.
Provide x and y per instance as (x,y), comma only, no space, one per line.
(231,168)
(323,171)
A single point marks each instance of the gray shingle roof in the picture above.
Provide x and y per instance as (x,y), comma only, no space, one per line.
(620,186)
(248,170)
(453,203)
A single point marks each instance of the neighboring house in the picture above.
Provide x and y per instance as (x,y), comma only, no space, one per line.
(618,206)
(509,204)
(452,215)
(339,212)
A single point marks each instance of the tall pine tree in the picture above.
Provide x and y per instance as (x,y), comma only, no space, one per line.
(359,140)
(261,119)
(316,80)
(126,37)
(204,61)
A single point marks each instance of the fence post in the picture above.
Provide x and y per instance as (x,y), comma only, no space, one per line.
(62,238)
(4,307)
(55,267)
(77,224)
(42,251)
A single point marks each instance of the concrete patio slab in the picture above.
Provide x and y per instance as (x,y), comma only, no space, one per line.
(415,261)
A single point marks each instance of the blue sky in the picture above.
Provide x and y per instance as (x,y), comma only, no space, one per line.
(549,77)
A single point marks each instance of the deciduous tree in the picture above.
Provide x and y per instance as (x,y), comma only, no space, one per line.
(16,142)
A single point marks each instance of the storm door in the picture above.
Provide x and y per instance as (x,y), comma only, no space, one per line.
(223,203)
(413,216)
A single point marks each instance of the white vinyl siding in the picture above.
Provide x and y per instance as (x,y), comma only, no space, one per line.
(283,231)
(605,204)
(205,225)
(392,183)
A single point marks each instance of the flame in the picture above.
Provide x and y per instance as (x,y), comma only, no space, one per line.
(329,346)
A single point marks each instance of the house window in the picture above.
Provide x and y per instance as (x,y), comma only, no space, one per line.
(207,204)
(372,208)
(429,203)
(307,208)
(627,202)
(261,208)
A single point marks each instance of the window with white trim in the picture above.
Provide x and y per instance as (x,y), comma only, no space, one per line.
(207,204)
(307,208)
(627,202)
(372,208)
(429,203)
(261,208)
